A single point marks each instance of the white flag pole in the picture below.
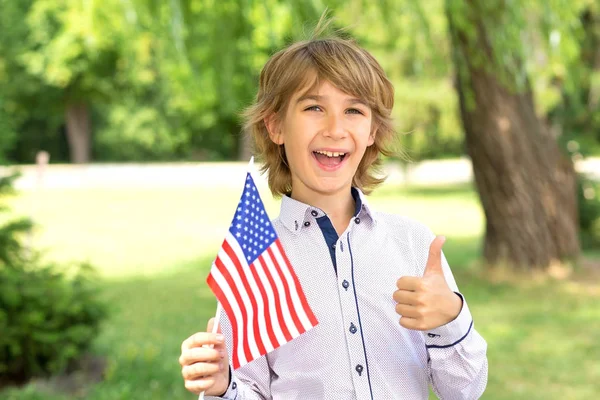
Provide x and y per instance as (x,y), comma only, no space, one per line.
(219,307)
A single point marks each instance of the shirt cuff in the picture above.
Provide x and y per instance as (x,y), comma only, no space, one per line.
(453,332)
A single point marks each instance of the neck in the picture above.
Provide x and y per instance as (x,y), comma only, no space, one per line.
(338,206)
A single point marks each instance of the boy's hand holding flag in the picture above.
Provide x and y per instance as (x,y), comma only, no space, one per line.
(259,291)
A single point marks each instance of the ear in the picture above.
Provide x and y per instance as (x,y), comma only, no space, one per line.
(372,137)
(274,129)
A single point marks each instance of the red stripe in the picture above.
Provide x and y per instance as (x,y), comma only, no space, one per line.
(305,306)
(282,324)
(238,299)
(266,311)
(288,295)
(241,271)
(230,314)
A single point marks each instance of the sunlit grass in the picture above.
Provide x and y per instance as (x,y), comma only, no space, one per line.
(153,249)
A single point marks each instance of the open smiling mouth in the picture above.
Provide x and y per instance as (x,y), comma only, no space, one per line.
(329,158)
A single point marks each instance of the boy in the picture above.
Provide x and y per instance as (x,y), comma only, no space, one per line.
(391,319)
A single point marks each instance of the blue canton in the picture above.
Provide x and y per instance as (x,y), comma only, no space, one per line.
(251,226)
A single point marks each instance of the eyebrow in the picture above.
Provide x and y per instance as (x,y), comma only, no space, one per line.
(315,97)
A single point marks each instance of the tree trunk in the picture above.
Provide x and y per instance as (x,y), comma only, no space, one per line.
(525,183)
(79,133)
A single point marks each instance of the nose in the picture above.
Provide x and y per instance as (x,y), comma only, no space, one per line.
(336,128)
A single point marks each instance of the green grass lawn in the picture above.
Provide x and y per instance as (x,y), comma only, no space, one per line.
(153,249)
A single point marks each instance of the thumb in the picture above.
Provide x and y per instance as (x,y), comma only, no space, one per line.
(434,261)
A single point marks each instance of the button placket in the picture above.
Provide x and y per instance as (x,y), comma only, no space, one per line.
(356,351)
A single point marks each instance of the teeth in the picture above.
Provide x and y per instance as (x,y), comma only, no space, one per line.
(329,153)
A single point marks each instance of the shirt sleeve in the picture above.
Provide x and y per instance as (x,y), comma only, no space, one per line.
(249,382)
(458,366)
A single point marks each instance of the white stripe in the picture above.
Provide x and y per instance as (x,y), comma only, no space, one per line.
(224,286)
(262,327)
(260,269)
(295,296)
(282,295)
(239,284)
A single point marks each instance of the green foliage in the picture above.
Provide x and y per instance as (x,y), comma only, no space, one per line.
(48,315)
(167,80)
(48,318)
(588,199)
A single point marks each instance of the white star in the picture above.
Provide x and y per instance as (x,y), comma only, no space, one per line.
(246,211)
(238,217)
(247,202)
(238,226)
(245,237)
(248,185)
(238,234)
(261,246)
(262,212)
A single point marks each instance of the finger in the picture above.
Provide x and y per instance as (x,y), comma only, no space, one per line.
(199,385)
(410,283)
(407,311)
(200,370)
(200,354)
(434,261)
(410,323)
(202,338)
(405,297)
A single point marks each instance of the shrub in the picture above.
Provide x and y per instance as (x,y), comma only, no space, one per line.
(49,314)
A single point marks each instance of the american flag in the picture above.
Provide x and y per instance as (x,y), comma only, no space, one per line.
(254,281)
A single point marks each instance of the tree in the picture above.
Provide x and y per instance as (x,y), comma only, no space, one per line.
(525,181)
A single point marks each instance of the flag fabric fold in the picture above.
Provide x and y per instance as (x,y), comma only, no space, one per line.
(256,285)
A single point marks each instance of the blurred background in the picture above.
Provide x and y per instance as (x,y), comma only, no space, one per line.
(122,162)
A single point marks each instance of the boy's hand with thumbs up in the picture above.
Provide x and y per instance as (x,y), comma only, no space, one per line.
(428,302)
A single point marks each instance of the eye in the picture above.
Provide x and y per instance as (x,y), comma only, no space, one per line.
(313,108)
(354,111)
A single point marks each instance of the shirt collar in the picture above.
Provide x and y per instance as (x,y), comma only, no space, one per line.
(293,213)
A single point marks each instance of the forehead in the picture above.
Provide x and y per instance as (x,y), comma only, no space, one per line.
(315,87)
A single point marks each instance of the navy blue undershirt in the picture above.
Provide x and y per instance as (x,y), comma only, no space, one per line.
(329,232)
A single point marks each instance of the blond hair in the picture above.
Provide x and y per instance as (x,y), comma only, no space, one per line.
(349,68)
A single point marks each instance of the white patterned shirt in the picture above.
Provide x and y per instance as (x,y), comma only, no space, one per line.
(359,350)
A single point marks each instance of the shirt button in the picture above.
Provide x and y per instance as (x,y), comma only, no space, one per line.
(234,385)
(359,369)
(314,213)
(353,328)
(333,246)
(306,223)
(345,284)
(357,220)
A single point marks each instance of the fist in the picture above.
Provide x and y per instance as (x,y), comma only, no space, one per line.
(205,363)
(428,302)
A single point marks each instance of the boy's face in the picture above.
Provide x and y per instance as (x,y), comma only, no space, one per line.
(326,133)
